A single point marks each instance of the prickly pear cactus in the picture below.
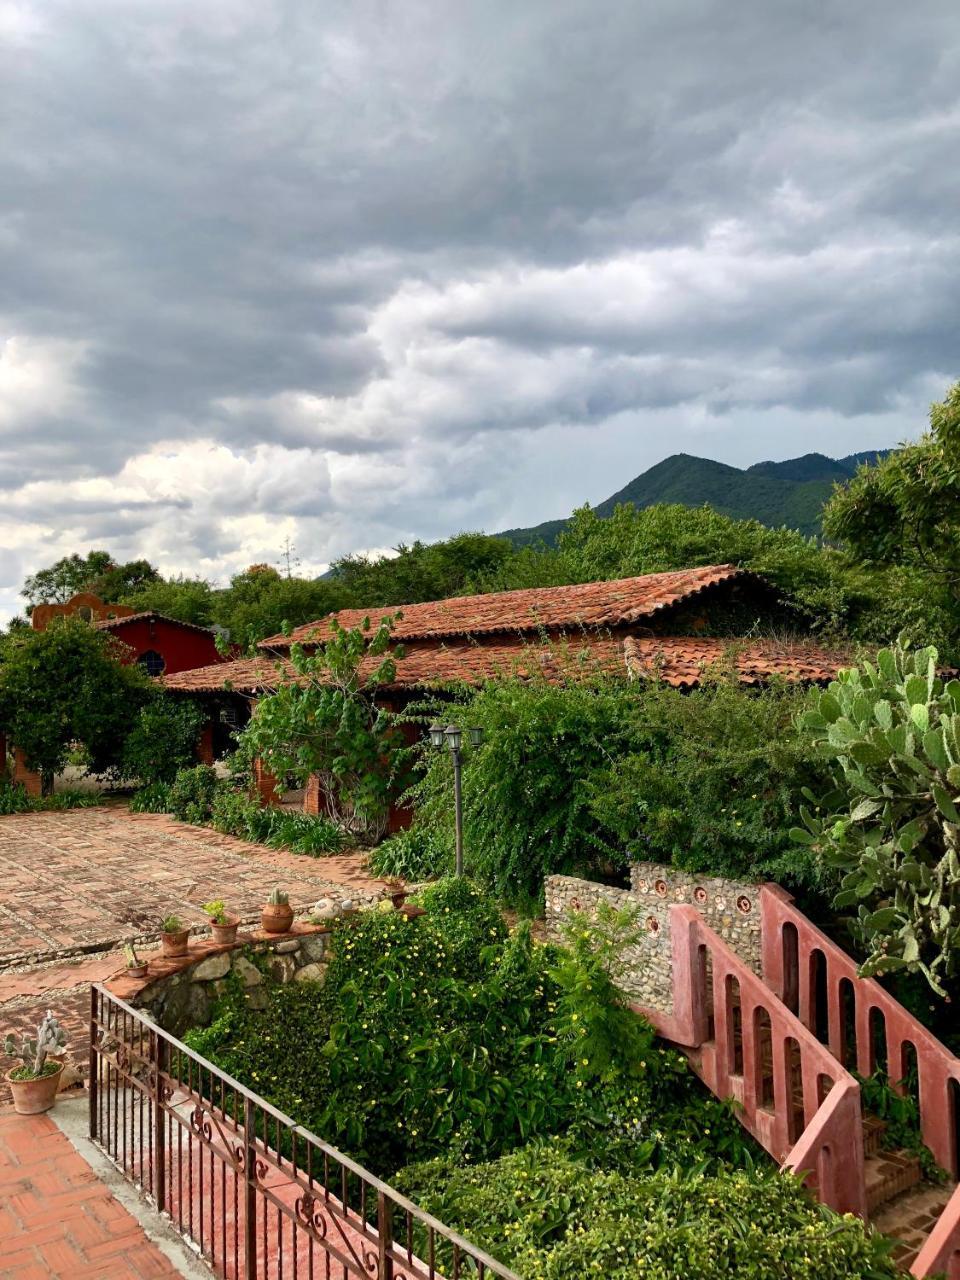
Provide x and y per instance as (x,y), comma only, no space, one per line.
(893,732)
(50,1038)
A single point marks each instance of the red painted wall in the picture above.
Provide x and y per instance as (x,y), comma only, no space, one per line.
(181,647)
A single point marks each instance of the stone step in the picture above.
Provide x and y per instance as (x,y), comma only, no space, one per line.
(873,1131)
(888,1174)
(909,1218)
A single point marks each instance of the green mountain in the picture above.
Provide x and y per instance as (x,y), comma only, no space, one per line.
(788,493)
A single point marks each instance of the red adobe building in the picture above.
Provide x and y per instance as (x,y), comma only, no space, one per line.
(161,645)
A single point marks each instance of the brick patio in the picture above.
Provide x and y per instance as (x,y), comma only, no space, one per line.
(58,1219)
(74,882)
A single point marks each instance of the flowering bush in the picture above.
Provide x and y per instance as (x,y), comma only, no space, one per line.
(548,1216)
(440,1034)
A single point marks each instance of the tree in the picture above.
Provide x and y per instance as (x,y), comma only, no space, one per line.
(892,732)
(162,740)
(259,602)
(67,685)
(322,719)
(905,509)
(96,572)
(422,571)
(188,599)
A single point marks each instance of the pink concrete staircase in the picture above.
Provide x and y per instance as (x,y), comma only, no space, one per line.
(778,1043)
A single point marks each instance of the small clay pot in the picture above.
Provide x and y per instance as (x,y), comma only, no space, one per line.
(175,944)
(276,917)
(137,970)
(31,1097)
(398,898)
(227,932)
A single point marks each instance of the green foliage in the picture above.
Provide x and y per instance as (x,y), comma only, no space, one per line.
(66,685)
(905,509)
(709,782)
(96,572)
(153,798)
(421,572)
(260,602)
(323,721)
(304,833)
(899,1109)
(546,1215)
(171,924)
(439,1034)
(192,792)
(526,793)
(216,910)
(892,731)
(189,599)
(580,779)
(418,853)
(14,799)
(163,739)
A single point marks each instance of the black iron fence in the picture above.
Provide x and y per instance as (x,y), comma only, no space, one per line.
(260,1197)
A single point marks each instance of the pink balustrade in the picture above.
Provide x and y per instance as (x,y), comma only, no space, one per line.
(797,1100)
(814,976)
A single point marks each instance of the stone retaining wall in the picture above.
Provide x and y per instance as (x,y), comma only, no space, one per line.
(180,993)
(730,907)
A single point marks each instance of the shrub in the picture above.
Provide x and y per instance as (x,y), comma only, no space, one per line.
(545,1214)
(466,918)
(710,782)
(304,833)
(419,853)
(14,799)
(526,795)
(192,792)
(428,1036)
(162,741)
(153,798)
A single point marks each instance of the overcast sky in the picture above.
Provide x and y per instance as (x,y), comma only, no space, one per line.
(355,273)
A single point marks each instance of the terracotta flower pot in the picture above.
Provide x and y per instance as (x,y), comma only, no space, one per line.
(398,898)
(226,932)
(137,970)
(31,1097)
(175,944)
(276,917)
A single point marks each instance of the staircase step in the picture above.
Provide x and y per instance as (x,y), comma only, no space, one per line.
(873,1131)
(909,1218)
(888,1174)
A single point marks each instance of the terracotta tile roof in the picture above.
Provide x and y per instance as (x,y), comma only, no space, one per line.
(679,660)
(587,604)
(114,624)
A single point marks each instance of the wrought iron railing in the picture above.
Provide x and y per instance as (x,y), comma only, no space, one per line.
(259,1196)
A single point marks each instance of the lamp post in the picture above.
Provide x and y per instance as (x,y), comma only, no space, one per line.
(453,737)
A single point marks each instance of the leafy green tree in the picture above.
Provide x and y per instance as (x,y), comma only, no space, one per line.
(188,599)
(67,685)
(96,572)
(905,509)
(322,719)
(259,602)
(423,572)
(163,739)
(892,732)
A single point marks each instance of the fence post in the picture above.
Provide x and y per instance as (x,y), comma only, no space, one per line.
(250,1192)
(94,1065)
(385,1236)
(159,1129)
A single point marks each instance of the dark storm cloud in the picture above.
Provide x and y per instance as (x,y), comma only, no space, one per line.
(273,268)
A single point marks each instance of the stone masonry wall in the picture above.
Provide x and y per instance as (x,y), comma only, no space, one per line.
(184,997)
(730,907)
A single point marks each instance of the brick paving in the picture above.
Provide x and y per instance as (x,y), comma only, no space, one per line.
(911,1217)
(79,881)
(58,1219)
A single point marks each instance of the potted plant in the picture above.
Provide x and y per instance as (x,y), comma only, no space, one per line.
(277,913)
(136,968)
(34,1085)
(173,936)
(223,926)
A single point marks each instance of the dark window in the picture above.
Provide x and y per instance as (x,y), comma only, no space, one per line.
(152,662)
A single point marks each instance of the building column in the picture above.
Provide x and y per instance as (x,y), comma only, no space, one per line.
(265,783)
(29,779)
(311,796)
(205,744)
